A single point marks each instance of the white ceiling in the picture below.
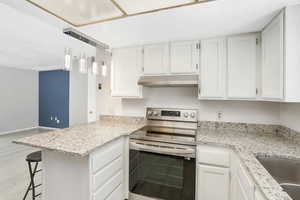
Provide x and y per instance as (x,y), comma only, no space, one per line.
(220,17)
(29,43)
(33,39)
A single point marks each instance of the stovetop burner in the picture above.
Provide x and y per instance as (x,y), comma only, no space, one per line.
(169,125)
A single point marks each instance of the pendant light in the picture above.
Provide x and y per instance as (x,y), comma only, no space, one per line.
(95,69)
(68,59)
(104,69)
(83,64)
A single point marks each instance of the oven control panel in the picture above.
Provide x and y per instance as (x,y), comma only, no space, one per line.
(172,114)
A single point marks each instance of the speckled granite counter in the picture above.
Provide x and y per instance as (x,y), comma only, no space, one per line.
(247,145)
(82,139)
(246,140)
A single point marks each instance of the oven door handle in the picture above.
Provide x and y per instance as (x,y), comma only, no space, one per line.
(190,152)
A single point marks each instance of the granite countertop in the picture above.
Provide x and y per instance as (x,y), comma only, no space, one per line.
(247,142)
(250,144)
(83,139)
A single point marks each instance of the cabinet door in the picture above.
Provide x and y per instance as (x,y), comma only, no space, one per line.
(241,71)
(126,70)
(211,179)
(212,70)
(259,195)
(273,62)
(156,59)
(184,57)
(240,193)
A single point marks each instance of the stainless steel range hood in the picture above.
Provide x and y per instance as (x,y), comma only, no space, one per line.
(169,81)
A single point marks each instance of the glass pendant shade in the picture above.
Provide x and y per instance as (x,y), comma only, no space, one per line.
(104,69)
(83,64)
(68,60)
(95,69)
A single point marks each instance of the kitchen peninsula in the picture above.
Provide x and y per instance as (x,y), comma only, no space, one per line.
(88,161)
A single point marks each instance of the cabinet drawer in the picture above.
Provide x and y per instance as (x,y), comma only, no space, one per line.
(106,154)
(213,156)
(116,194)
(110,186)
(102,176)
(246,182)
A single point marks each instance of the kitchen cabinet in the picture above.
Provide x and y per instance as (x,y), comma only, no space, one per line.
(156,59)
(241,69)
(102,174)
(213,171)
(273,64)
(108,171)
(125,72)
(280,55)
(184,57)
(242,185)
(211,178)
(212,68)
(259,195)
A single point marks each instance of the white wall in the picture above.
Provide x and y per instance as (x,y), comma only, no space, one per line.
(18,99)
(290,115)
(233,111)
(78,96)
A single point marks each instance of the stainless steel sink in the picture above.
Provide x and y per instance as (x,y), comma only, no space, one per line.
(285,171)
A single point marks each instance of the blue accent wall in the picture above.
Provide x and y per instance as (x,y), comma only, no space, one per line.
(54,98)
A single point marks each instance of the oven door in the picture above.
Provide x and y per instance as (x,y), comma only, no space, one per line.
(162,170)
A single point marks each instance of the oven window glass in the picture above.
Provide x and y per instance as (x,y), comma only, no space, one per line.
(162,176)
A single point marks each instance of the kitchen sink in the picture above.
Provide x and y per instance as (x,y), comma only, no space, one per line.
(285,171)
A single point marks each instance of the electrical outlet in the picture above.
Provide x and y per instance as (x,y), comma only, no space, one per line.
(220,115)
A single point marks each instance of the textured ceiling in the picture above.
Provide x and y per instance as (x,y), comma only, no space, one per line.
(33,39)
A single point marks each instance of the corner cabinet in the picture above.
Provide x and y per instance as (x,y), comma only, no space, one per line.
(212,69)
(125,72)
(241,69)
(184,57)
(156,59)
(273,64)
(281,60)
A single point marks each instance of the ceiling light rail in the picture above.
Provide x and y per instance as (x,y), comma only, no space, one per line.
(84,38)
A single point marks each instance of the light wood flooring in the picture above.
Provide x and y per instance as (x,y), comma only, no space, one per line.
(14,174)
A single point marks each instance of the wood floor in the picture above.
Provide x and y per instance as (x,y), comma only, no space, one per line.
(14,175)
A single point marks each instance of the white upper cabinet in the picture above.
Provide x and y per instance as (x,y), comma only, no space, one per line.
(281,60)
(126,70)
(241,69)
(212,68)
(184,57)
(272,59)
(156,59)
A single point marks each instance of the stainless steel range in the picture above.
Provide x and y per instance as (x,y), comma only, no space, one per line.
(162,155)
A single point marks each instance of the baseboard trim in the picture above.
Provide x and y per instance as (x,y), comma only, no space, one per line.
(18,130)
(44,127)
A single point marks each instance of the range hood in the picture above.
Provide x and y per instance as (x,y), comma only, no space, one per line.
(169,81)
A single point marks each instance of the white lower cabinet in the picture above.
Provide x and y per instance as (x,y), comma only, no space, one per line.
(213,183)
(222,176)
(259,196)
(108,170)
